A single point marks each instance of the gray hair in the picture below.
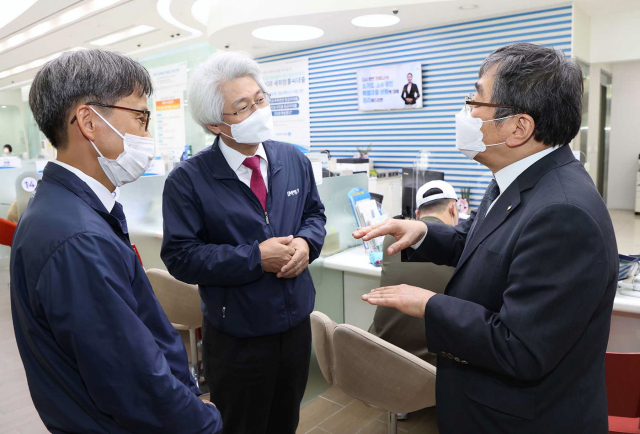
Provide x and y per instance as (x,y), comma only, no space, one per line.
(205,88)
(78,77)
(541,82)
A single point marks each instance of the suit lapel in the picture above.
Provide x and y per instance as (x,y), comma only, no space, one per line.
(507,203)
(502,208)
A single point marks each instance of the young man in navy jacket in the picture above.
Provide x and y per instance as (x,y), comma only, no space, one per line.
(243,220)
(99,353)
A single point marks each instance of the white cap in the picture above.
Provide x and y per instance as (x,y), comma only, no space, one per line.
(447,192)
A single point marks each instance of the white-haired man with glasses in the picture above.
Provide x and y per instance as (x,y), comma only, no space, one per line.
(243,220)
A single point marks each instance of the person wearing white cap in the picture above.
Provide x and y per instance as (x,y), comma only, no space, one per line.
(436,202)
(437,199)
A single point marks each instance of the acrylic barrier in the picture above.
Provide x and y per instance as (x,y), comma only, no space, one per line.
(8,177)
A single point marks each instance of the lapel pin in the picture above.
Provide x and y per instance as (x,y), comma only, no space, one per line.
(509,208)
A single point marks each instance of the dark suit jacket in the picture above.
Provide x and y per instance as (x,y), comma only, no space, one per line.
(522,331)
(404,331)
(410,93)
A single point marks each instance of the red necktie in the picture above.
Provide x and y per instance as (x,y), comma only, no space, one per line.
(257,182)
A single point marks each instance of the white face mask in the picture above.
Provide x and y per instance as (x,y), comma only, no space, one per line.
(134,160)
(469,135)
(253,130)
(6,151)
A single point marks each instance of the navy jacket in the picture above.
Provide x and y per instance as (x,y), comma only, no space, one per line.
(523,328)
(99,352)
(213,225)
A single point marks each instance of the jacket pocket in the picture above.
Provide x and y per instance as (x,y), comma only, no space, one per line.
(501,397)
(488,256)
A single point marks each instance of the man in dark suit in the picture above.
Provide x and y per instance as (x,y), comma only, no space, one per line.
(410,93)
(522,328)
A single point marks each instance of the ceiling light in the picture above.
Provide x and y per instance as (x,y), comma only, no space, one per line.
(12,10)
(468,7)
(16,40)
(379,20)
(72,15)
(34,64)
(40,29)
(56,22)
(288,33)
(4,106)
(200,11)
(119,36)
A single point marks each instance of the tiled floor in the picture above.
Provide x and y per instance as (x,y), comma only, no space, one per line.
(333,412)
(336,413)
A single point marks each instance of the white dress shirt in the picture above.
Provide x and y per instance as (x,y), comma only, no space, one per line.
(100,190)
(506,176)
(235,160)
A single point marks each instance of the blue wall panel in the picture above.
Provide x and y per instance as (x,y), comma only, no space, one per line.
(450,57)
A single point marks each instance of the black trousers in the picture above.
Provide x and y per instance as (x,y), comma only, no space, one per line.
(258,383)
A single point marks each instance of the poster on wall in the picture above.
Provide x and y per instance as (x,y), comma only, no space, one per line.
(170,83)
(390,87)
(288,83)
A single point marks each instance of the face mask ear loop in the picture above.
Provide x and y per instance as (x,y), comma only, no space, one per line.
(96,148)
(226,135)
(107,122)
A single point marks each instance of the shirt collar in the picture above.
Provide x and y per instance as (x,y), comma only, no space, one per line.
(100,190)
(507,175)
(235,158)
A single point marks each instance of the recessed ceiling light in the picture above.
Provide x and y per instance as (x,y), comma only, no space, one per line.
(468,7)
(4,106)
(288,33)
(379,20)
(119,36)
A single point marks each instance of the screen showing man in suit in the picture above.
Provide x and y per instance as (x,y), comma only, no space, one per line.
(522,328)
(410,93)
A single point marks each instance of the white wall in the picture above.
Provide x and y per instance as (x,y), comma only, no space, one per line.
(625,135)
(581,35)
(614,37)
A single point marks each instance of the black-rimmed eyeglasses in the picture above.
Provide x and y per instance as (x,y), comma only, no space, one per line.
(146,113)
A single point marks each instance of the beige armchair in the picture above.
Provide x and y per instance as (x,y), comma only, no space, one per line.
(181,303)
(372,370)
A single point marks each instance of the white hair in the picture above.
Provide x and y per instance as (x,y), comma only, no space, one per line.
(205,87)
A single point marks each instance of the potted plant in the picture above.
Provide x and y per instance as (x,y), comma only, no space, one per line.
(364,152)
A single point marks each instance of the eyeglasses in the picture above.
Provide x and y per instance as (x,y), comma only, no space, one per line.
(469,103)
(263,101)
(145,119)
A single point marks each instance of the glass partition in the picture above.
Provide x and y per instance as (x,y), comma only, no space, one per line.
(340,220)
(12,131)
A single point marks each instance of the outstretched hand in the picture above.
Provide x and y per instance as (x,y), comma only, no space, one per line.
(406,232)
(410,300)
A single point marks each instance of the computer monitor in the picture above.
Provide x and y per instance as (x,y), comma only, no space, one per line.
(412,180)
